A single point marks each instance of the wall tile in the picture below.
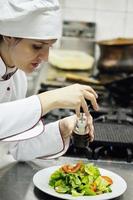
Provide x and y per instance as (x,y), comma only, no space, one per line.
(80,4)
(113,17)
(111,5)
(79,15)
(62,3)
(130,5)
(129,25)
(109,24)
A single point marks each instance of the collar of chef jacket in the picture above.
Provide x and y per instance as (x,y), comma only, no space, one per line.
(6,73)
(37,128)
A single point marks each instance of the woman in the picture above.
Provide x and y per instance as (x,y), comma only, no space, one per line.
(27,30)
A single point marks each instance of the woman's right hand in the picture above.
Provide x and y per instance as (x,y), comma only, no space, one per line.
(71,97)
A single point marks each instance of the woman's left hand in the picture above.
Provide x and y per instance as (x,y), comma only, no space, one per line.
(67,125)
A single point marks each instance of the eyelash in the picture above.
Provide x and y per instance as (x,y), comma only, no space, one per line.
(37,47)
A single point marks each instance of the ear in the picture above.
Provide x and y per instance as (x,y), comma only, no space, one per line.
(8,40)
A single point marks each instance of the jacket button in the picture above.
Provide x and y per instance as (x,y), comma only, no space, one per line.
(8,88)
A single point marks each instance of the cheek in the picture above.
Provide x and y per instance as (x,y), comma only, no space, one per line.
(22,55)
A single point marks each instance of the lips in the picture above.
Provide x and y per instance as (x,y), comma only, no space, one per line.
(35,64)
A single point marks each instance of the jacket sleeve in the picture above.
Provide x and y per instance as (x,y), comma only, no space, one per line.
(28,138)
(47,145)
(18,116)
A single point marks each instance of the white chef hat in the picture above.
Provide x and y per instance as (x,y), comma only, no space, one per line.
(33,19)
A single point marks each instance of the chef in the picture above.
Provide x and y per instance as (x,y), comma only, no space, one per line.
(27,31)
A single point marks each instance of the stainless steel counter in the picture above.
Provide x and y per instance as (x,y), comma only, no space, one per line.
(16,178)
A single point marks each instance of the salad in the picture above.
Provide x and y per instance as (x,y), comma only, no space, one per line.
(79,180)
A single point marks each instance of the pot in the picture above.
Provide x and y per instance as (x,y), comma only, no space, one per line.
(116,55)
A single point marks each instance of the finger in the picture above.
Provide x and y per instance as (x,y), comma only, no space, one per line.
(89,120)
(91,133)
(90,89)
(93,100)
(77,111)
(90,128)
(85,107)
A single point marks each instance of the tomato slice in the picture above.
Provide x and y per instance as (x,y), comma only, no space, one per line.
(94,187)
(108,179)
(71,169)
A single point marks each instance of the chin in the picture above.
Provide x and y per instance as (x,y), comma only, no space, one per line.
(28,69)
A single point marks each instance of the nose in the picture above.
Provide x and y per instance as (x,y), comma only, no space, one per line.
(43,55)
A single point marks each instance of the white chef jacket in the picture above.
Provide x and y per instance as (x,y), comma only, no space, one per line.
(22,132)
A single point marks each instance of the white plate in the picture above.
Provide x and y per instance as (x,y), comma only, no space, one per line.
(41,179)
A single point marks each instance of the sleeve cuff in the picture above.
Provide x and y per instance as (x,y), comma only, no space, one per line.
(64,144)
(47,145)
(31,133)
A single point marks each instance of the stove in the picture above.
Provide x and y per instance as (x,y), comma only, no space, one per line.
(113,138)
(113,130)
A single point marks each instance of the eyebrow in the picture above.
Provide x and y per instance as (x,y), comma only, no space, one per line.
(47,41)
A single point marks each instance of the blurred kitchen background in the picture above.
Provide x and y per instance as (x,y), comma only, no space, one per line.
(113,18)
(96,48)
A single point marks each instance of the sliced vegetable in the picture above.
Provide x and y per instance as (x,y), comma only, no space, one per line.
(94,187)
(80,180)
(108,179)
(70,168)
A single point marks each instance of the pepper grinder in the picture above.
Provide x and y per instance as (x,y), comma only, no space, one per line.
(80,137)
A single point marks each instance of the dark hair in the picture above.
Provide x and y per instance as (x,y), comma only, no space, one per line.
(1,38)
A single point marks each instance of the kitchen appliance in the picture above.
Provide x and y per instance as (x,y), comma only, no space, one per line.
(79,35)
(122,91)
(116,56)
